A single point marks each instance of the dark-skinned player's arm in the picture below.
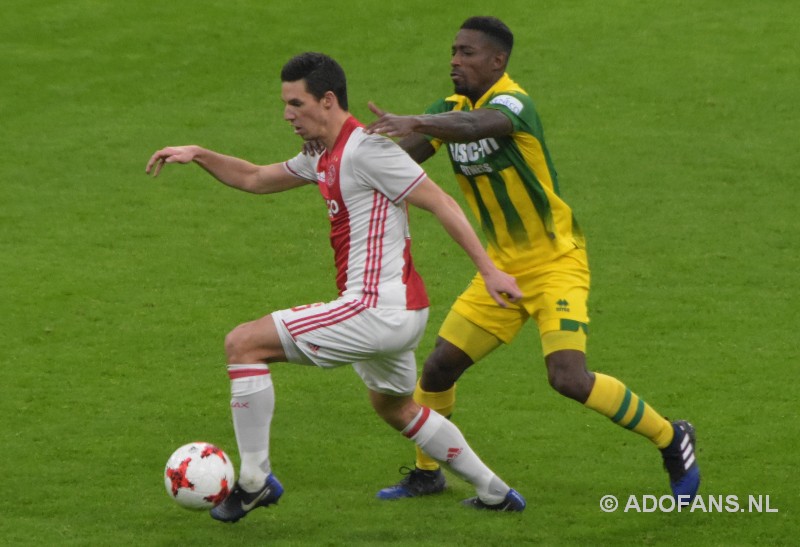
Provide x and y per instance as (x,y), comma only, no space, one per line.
(455,126)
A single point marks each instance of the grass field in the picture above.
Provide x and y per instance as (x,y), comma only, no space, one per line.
(674,129)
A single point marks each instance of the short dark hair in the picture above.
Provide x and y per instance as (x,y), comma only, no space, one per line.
(494,28)
(321,74)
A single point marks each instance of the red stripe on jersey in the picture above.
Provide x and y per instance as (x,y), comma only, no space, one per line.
(327,323)
(247,372)
(300,321)
(340,243)
(416,295)
(374,262)
(330,164)
(426,412)
(324,319)
(410,187)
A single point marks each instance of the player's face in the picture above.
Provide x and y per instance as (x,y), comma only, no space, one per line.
(474,63)
(301,109)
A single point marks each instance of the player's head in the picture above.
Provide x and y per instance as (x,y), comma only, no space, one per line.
(495,30)
(480,55)
(313,88)
(320,73)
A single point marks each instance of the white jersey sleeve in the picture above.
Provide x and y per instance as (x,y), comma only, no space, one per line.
(303,166)
(381,164)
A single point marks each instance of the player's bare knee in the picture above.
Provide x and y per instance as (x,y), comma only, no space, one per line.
(568,375)
(568,385)
(443,367)
(235,345)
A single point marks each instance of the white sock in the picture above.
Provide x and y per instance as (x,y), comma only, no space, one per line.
(252,407)
(443,441)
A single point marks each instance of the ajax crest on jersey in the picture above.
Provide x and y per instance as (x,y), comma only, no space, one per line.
(199,476)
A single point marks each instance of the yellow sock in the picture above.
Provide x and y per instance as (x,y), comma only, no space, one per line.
(611,398)
(443,403)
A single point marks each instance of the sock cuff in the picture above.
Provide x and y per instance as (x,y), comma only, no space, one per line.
(417,422)
(244,371)
(249,379)
(606,395)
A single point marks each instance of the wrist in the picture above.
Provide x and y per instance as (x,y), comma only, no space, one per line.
(419,124)
(487,270)
(197,152)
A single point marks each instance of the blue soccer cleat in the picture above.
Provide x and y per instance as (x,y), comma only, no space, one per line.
(680,462)
(417,482)
(240,502)
(513,502)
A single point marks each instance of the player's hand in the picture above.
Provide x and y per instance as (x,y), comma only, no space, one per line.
(171,154)
(388,124)
(502,287)
(312,148)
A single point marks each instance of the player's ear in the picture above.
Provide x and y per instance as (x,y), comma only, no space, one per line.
(500,60)
(329,99)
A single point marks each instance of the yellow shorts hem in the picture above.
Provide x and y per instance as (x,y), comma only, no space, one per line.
(558,340)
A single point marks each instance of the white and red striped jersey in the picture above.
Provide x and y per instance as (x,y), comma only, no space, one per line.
(364,180)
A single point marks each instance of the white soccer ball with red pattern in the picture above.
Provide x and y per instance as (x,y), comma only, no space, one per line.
(199,476)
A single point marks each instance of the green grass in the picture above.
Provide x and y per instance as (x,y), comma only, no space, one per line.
(673,127)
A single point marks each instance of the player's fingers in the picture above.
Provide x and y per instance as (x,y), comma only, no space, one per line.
(514,293)
(151,162)
(154,162)
(375,110)
(376,127)
(159,165)
(498,297)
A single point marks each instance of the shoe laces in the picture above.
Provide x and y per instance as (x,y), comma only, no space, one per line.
(411,474)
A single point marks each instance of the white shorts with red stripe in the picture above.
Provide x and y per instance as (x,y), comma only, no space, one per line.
(378,342)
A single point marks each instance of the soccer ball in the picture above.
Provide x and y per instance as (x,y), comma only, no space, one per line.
(199,476)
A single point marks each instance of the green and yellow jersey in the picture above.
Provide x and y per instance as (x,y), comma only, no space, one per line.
(510,183)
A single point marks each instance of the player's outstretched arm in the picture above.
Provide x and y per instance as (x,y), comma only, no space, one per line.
(417,146)
(234,172)
(455,126)
(427,195)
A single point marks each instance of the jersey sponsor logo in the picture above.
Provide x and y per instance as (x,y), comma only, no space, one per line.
(562,305)
(512,103)
(471,152)
(333,207)
(468,154)
(475,170)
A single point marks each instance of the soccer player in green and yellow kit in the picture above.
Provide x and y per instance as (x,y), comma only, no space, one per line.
(496,145)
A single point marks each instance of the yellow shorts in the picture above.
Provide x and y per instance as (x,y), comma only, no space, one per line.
(555,297)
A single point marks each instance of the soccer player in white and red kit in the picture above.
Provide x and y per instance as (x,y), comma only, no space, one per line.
(381,311)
